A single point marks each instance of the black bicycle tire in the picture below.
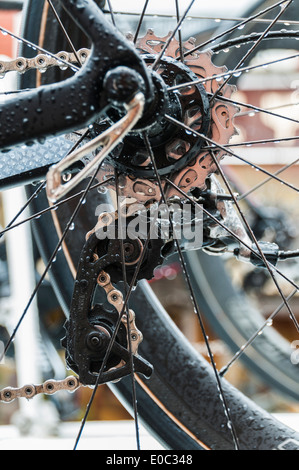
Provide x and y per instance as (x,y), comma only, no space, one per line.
(266,433)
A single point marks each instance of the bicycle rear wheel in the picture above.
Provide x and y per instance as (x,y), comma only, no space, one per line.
(180,403)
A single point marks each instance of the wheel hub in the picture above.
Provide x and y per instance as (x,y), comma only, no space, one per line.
(173,148)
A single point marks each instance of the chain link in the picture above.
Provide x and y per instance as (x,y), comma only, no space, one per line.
(72,383)
(43,62)
(115,298)
(49,387)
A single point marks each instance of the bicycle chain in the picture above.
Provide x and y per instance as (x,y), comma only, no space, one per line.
(43,62)
(91,326)
(49,387)
(72,383)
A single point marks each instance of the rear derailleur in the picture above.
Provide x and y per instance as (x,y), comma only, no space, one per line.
(101,338)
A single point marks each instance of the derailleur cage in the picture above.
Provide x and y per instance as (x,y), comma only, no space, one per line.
(97,332)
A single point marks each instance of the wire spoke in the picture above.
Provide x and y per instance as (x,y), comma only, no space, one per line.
(253,48)
(252,37)
(242,242)
(140,21)
(124,274)
(111,13)
(38,48)
(113,337)
(230,152)
(267,180)
(177,8)
(231,73)
(205,17)
(11,225)
(53,207)
(257,108)
(233,28)
(255,142)
(268,322)
(193,298)
(64,31)
(254,239)
(48,266)
(160,55)
(259,142)
(281,106)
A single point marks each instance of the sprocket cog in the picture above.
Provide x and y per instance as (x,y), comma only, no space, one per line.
(180,156)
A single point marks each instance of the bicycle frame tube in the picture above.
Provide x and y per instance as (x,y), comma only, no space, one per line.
(52,110)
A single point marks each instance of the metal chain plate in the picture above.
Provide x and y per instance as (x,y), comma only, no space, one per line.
(49,387)
(43,62)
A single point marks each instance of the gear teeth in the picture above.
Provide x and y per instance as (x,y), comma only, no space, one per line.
(222,128)
(153,44)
